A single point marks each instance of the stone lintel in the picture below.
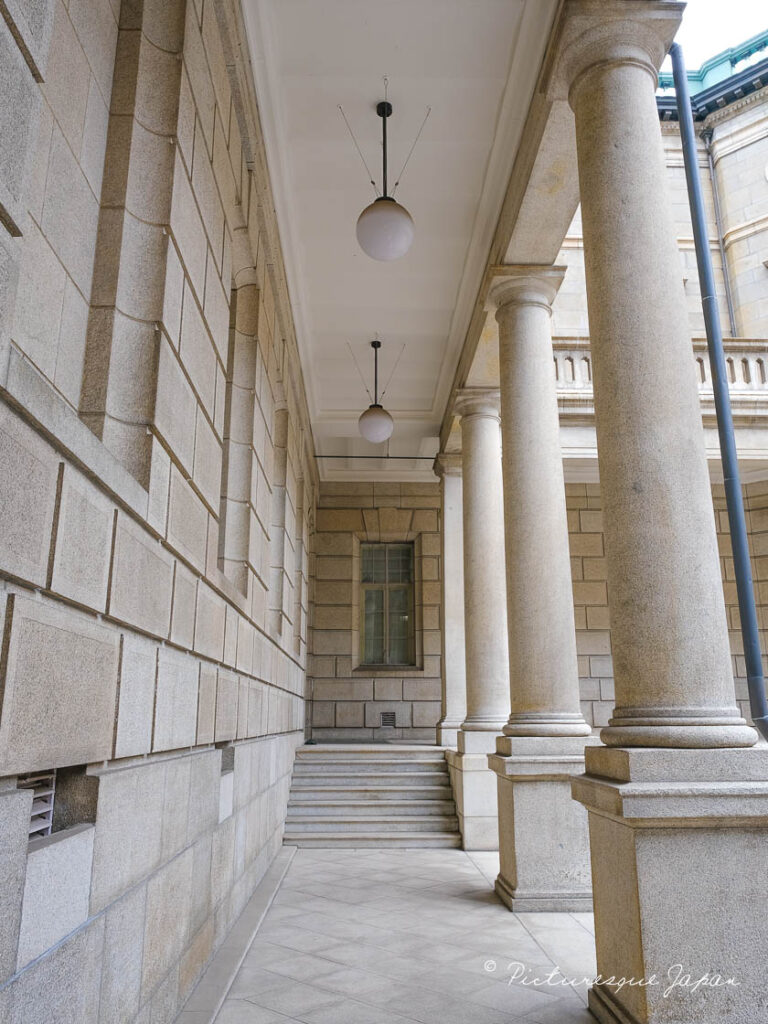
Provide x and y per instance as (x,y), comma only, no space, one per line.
(447,464)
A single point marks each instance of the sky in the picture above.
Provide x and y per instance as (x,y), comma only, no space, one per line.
(711,26)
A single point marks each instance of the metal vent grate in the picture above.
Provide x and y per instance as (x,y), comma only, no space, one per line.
(387,719)
(44,786)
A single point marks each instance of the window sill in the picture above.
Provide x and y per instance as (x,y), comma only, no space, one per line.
(384,670)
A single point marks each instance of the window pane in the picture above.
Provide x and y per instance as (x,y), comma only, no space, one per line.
(374,567)
(386,572)
(373,627)
(400,625)
(399,563)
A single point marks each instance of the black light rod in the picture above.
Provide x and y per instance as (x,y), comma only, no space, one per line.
(384,109)
(376,345)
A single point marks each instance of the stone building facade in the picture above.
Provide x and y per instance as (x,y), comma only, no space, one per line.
(158,489)
(180,593)
(349,698)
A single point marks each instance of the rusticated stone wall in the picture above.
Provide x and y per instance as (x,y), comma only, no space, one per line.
(590,596)
(348,698)
(740,155)
(157,491)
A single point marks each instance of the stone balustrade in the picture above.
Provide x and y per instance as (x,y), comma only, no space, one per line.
(746,362)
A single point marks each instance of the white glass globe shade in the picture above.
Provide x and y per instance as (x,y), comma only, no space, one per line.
(376,424)
(385,230)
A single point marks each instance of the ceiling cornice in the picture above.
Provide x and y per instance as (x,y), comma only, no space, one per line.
(232,28)
(536,21)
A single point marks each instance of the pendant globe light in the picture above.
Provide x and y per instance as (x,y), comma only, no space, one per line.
(385,229)
(376,425)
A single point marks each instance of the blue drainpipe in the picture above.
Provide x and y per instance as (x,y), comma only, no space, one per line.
(733,495)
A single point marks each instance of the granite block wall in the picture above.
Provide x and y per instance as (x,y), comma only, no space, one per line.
(593,638)
(157,495)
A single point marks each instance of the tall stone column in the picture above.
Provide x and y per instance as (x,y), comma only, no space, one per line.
(454,689)
(677,801)
(543,839)
(485,618)
(485,604)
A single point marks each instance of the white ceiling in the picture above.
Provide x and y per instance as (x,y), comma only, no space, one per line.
(474,62)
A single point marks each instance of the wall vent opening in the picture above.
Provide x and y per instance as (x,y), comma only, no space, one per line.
(387,719)
(227,759)
(43,785)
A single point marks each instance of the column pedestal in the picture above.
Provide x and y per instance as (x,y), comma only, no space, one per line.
(447,732)
(543,840)
(474,790)
(543,835)
(485,619)
(679,843)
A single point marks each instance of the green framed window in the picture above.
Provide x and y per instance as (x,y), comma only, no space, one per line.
(387,634)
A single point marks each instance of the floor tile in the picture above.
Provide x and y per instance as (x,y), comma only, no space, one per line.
(239,1011)
(405,937)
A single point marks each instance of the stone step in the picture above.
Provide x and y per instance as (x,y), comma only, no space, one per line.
(371,796)
(369,791)
(370,767)
(374,840)
(386,823)
(366,785)
(343,808)
(356,750)
(370,758)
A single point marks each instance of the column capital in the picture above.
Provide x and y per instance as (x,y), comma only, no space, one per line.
(601,33)
(525,285)
(477,402)
(447,464)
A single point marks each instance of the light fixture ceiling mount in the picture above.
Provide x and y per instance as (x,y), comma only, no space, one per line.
(376,425)
(385,229)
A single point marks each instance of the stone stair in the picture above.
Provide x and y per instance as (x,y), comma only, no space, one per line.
(371,795)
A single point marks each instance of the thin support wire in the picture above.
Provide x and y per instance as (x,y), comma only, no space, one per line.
(359,151)
(362,378)
(418,136)
(392,373)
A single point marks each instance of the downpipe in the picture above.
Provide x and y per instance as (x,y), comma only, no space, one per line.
(733,495)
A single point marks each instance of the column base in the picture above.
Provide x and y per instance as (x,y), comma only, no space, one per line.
(543,835)
(678,841)
(547,724)
(447,733)
(474,790)
(697,728)
(520,902)
(603,1006)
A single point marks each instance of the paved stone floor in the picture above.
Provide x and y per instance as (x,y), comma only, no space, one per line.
(400,936)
